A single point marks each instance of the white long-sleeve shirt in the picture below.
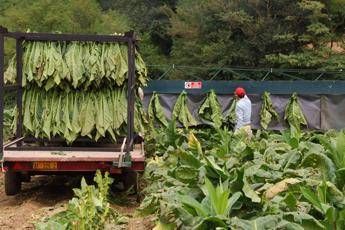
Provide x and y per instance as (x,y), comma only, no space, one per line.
(243,112)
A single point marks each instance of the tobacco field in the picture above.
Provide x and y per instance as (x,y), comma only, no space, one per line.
(213,179)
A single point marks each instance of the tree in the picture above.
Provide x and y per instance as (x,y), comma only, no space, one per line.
(315,50)
(150,21)
(210,33)
(77,16)
(225,32)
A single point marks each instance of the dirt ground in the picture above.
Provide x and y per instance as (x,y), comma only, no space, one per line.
(47,195)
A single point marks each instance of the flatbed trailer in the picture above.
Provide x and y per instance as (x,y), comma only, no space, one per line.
(64,159)
(26,156)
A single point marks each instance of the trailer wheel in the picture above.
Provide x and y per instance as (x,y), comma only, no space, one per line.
(12,183)
(25,177)
(130,180)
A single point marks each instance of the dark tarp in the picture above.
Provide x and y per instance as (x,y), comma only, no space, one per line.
(321,111)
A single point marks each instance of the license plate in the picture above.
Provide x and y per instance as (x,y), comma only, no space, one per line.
(44,165)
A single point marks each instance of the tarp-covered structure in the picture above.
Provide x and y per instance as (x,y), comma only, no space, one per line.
(322,102)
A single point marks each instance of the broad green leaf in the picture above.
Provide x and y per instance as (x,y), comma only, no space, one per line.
(316,158)
(218,198)
(164,226)
(196,207)
(186,174)
(233,199)
(194,144)
(307,221)
(260,223)
(213,221)
(249,191)
(312,198)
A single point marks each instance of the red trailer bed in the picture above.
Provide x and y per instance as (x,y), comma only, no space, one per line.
(74,161)
(70,156)
(20,162)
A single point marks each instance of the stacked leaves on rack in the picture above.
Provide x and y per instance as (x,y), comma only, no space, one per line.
(72,114)
(77,89)
(75,65)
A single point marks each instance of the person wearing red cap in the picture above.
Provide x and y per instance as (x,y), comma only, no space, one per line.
(243,112)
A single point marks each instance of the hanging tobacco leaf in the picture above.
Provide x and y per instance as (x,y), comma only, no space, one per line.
(140,118)
(155,111)
(267,111)
(231,113)
(181,111)
(210,110)
(294,116)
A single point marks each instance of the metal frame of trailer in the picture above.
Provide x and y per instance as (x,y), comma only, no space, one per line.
(23,154)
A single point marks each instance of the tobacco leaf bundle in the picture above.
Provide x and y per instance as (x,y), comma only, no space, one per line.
(230,117)
(210,110)
(155,111)
(141,121)
(95,114)
(294,115)
(75,65)
(181,112)
(267,111)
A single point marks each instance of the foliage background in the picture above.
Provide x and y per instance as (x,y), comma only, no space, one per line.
(250,33)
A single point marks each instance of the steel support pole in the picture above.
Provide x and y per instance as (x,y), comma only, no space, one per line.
(131,92)
(2,63)
(19,59)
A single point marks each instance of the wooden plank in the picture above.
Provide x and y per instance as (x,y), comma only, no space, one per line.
(70,156)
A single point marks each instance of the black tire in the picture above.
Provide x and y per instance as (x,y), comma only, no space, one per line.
(130,180)
(12,183)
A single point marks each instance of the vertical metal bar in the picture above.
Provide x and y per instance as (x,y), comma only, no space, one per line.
(2,63)
(19,57)
(131,92)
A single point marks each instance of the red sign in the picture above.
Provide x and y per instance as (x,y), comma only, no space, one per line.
(193,85)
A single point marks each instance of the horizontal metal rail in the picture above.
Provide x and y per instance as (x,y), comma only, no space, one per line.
(69,37)
(60,139)
(62,149)
(10,87)
(242,73)
(251,69)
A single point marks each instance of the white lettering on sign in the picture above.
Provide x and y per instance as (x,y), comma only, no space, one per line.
(193,85)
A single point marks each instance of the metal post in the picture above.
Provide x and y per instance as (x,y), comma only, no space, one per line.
(2,63)
(19,59)
(131,91)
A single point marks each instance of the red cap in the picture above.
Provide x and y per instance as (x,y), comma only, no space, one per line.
(240,92)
